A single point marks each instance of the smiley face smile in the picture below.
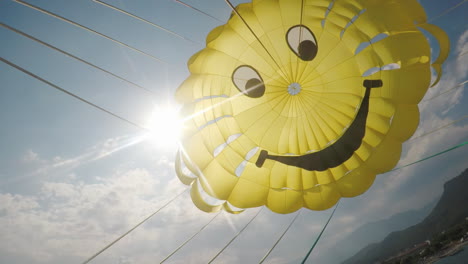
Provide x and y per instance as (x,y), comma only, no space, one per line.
(338,152)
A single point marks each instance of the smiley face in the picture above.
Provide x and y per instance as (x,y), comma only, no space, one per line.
(303,44)
(294,106)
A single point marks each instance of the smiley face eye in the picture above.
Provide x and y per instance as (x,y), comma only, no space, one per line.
(248,81)
(302,42)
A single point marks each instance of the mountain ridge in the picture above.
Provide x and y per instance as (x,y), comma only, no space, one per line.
(448,211)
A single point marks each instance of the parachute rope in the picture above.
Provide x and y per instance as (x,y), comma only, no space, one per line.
(432,156)
(320,235)
(146,21)
(439,128)
(198,10)
(258,39)
(279,239)
(72,94)
(133,228)
(446,11)
(447,91)
(190,238)
(88,29)
(238,233)
(74,57)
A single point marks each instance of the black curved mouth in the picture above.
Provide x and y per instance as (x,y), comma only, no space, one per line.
(337,153)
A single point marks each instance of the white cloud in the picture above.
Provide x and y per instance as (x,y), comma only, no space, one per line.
(72,220)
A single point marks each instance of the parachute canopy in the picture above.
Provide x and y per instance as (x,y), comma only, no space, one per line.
(298,103)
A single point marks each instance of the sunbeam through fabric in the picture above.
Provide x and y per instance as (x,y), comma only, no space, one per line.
(297,103)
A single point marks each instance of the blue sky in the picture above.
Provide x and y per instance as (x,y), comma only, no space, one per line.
(73,178)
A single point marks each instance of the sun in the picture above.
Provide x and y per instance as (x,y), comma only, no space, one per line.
(164,126)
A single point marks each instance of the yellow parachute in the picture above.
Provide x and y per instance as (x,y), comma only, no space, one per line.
(298,103)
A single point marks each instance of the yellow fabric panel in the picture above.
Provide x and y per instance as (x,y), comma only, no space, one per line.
(227,41)
(278,176)
(256,131)
(242,145)
(247,194)
(200,203)
(324,177)
(309,179)
(216,86)
(208,60)
(386,156)
(294,179)
(413,9)
(264,10)
(368,58)
(356,182)
(284,201)
(217,181)
(412,84)
(260,176)
(347,8)
(184,178)
(356,160)
(372,137)
(364,24)
(331,43)
(228,126)
(353,86)
(382,106)
(257,56)
(444,46)
(230,159)
(354,36)
(364,151)
(285,8)
(279,49)
(269,138)
(321,197)
(389,49)
(338,172)
(197,152)
(338,55)
(378,123)
(342,71)
(406,86)
(228,208)
(405,122)
(208,110)
(184,93)
(212,137)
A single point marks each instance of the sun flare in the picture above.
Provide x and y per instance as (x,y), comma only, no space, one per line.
(164,126)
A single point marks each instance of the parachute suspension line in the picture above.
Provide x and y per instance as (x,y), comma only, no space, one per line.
(320,235)
(146,21)
(279,239)
(198,10)
(439,128)
(447,91)
(88,29)
(447,11)
(72,94)
(74,57)
(258,39)
(133,228)
(433,156)
(190,239)
(316,241)
(238,233)
(296,78)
